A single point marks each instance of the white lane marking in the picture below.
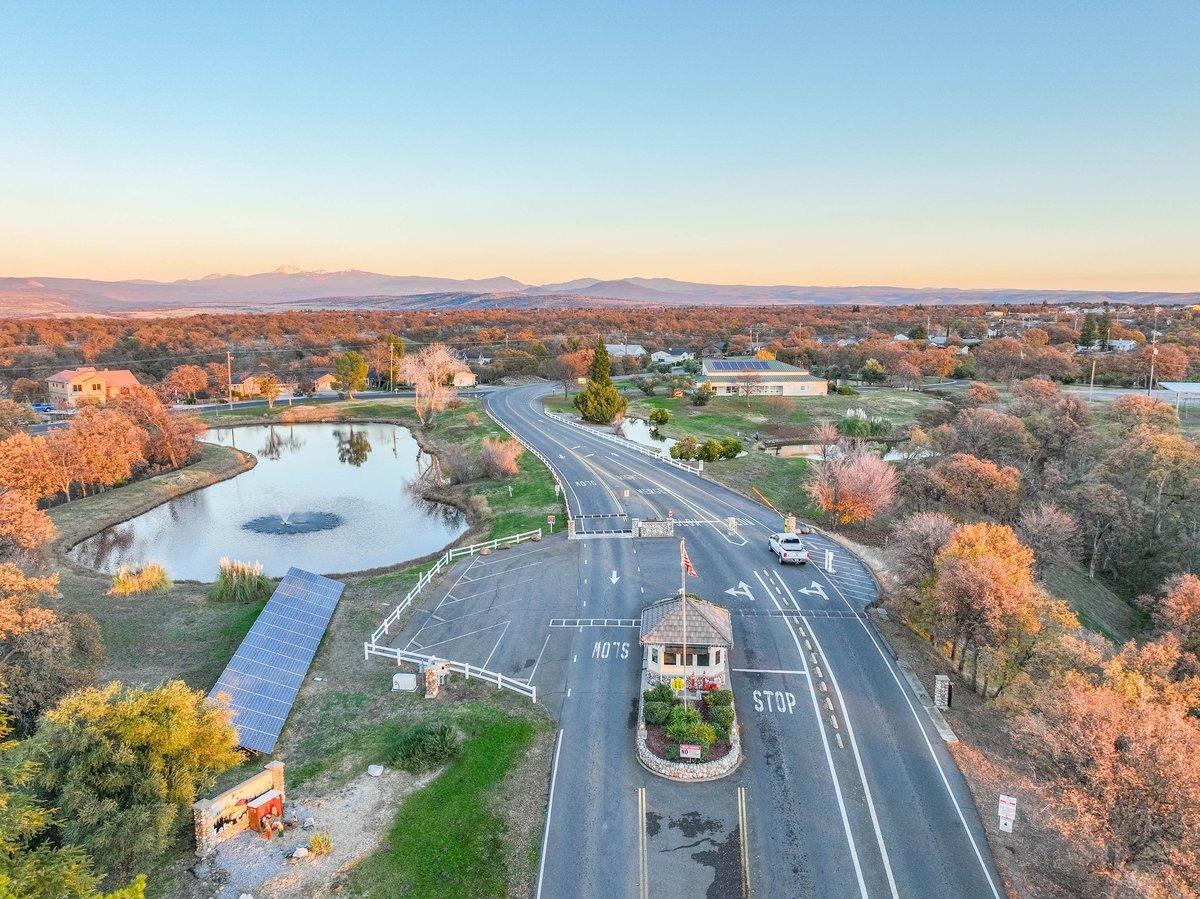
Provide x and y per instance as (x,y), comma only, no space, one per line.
(490,590)
(929,745)
(484,577)
(497,646)
(837,786)
(549,812)
(862,774)
(467,634)
(538,662)
(771,671)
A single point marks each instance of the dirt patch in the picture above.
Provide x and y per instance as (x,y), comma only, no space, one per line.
(356,817)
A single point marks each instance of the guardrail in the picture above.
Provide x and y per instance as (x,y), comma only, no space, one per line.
(500,680)
(445,559)
(628,444)
(562,491)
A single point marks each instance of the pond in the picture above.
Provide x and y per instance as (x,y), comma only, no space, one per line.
(325,497)
(641,432)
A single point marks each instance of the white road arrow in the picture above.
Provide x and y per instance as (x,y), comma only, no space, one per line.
(614,577)
(742,589)
(817,589)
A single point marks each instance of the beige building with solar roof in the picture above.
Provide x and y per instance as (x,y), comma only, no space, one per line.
(760,377)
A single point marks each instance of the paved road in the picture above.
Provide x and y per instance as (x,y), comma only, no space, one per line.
(848,789)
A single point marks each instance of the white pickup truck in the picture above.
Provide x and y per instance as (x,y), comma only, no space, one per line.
(789,549)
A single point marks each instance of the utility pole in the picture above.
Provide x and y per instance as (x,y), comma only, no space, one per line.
(229,377)
(1153,353)
(391,366)
(1092,383)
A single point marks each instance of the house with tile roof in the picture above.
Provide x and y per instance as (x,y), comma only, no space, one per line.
(71,386)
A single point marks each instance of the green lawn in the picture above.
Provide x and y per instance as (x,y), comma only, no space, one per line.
(1099,608)
(449,839)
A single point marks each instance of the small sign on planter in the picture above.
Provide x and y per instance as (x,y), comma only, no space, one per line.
(677,684)
(687,751)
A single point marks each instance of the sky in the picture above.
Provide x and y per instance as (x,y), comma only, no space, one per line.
(1022,145)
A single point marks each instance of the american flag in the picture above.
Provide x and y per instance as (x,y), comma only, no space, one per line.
(686,562)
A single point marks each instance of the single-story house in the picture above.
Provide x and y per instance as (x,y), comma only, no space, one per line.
(625,350)
(323,383)
(464,378)
(900,338)
(760,377)
(248,385)
(69,386)
(672,355)
(705,629)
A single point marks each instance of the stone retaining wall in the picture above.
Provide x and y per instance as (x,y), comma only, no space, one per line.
(661,527)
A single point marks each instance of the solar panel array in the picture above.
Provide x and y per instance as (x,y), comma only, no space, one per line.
(739,365)
(264,675)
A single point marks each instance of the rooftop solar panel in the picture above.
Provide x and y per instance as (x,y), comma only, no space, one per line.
(739,365)
(265,674)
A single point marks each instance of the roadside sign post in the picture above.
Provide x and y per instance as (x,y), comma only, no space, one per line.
(1008,812)
(557,489)
(677,684)
(941,691)
(549,520)
(687,751)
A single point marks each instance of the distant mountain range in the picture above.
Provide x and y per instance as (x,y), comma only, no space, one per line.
(291,288)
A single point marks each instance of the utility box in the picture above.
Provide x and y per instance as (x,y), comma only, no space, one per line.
(405,681)
(261,808)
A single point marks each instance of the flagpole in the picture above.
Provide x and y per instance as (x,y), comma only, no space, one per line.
(683,600)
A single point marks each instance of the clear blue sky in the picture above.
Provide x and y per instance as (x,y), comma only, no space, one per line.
(924,144)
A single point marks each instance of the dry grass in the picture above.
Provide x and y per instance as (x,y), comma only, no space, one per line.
(150,578)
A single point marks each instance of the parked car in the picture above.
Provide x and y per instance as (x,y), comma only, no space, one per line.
(43,407)
(789,548)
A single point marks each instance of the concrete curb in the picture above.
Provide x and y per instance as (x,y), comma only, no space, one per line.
(935,714)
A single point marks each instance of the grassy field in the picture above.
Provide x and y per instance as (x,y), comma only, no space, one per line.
(1099,609)
(729,416)
(449,838)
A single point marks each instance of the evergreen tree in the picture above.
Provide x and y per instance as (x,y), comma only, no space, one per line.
(1104,326)
(600,402)
(1087,334)
(600,371)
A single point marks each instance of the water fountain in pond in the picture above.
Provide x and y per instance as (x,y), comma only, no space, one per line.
(287,520)
(294,523)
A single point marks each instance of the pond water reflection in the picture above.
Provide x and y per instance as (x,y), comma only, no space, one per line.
(327,498)
(641,432)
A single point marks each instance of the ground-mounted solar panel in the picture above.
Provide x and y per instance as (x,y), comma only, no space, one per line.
(265,674)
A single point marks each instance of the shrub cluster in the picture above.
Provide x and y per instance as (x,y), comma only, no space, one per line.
(241,582)
(424,747)
(687,448)
(499,457)
(150,578)
(701,724)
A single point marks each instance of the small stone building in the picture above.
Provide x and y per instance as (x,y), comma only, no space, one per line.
(709,637)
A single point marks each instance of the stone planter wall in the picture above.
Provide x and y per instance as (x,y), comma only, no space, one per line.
(689,772)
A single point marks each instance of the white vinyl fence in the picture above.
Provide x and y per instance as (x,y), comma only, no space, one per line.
(446,558)
(495,677)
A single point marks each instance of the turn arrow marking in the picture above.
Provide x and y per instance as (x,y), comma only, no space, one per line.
(817,589)
(742,589)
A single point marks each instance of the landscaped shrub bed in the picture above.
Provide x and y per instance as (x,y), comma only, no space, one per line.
(706,722)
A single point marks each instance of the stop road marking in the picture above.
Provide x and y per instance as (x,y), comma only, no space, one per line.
(776,701)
